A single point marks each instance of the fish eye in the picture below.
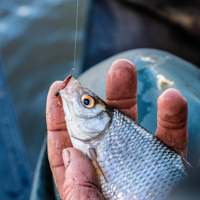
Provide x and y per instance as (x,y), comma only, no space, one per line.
(88,101)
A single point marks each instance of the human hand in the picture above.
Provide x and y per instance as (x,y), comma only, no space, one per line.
(79,179)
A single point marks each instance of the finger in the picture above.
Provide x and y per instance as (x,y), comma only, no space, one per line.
(58,137)
(54,113)
(172,121)
(121,88)
(81,180)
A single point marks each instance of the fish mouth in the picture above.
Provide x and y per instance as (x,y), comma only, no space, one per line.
(72,87)
(63,85)
(69,82)
(67,88)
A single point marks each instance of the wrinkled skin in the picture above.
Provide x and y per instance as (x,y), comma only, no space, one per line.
(73,172)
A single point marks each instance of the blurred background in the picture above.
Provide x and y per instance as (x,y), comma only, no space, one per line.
(37,46)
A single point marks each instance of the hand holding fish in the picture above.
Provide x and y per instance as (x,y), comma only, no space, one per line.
(76,177)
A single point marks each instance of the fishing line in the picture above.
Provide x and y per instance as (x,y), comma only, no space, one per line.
(77,11)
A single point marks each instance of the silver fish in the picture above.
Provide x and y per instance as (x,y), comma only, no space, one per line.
(131,163)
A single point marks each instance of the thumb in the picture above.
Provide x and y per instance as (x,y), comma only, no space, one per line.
(81,181)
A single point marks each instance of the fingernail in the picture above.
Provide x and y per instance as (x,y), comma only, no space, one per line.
(172,107)
(66,157)
(122,77)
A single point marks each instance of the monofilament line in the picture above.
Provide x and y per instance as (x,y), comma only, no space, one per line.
(77,5)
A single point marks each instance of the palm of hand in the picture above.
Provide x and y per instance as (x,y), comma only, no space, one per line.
(79,180)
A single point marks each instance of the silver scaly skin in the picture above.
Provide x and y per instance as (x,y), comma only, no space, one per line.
(136,163)
(131,163)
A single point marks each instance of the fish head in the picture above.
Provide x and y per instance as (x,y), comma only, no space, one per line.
(87,116)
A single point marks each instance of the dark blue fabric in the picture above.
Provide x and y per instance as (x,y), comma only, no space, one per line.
(115,26)
(15,174)
(43,187)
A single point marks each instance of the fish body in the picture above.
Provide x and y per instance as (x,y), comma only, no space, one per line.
(131,163)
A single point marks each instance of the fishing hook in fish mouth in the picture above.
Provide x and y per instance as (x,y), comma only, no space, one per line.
(63,85)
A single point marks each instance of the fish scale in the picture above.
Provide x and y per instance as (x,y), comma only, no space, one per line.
(135,163)
(131,163)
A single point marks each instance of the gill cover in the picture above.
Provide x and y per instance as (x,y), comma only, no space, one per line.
(86,115)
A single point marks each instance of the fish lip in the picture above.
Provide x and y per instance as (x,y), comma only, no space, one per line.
(77,84)
(63,85)
(70,87)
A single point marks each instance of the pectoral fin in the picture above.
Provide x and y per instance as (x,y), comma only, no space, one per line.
(187,165)
(92,152)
